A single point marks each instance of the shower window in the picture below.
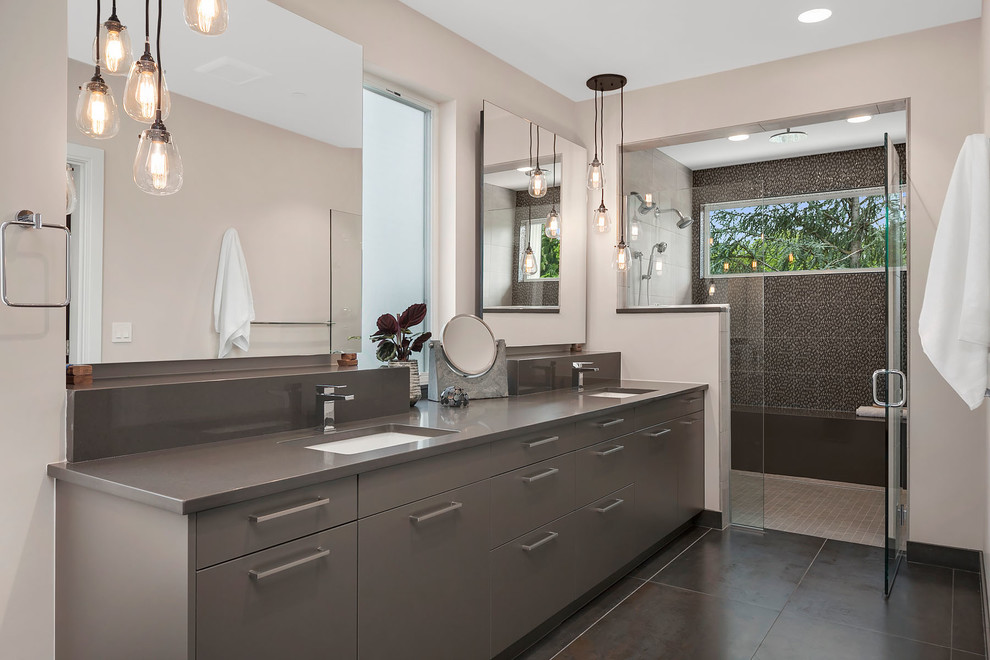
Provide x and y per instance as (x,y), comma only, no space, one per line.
(842,230)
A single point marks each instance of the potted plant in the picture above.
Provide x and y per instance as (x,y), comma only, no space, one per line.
(396,343)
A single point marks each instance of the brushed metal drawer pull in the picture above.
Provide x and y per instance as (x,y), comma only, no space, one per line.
(265,517)
(319,553)
(540,443)
(546,539)
(657,434)
(613,450)
(606,509)
(689,422)
(611,422)
(542,475)
(447,508)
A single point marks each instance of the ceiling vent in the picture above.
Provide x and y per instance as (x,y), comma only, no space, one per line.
(232,71)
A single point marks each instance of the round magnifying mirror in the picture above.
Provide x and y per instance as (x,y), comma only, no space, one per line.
(469,345)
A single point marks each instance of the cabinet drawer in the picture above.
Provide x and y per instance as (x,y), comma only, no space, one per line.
(605,533)
(531,496)
(604,468)
(668,409)
(423,583)
(292,601)
(394,486)
(532,448)
(532,579)
(238,529)
(604,427)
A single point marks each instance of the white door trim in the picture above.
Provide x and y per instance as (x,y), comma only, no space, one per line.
(86,309)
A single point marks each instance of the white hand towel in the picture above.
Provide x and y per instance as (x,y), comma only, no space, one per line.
(233,304)
(955,315)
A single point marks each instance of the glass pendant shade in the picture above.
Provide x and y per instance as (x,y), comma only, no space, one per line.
(157,166)
(600,220)
(596,177)
(96,110)
(634,231)
(206,16)
(529,261)
(141,92)
(621,259)
(538,183)
(115,48)
(71,195)
(552,229)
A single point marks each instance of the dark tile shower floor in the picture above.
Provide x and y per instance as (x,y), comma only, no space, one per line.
(774,596)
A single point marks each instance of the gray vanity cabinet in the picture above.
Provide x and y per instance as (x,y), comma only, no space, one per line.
(606,534)
(295,600)
(423,583)
(689,447)
(657,467)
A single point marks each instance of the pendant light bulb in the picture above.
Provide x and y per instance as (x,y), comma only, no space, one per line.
(157,166)
(529,261)
(141,92)
(658,264)
(114,47)
(601,221)
(71,195)
(725,267)
(790,258)
(634,230)
(621,260)
(206,16)
(596,177)
(538,183)
(552,229)
(711,289)
(96,110)
(754,265)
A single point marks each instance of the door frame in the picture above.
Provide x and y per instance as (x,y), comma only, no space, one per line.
(86,309)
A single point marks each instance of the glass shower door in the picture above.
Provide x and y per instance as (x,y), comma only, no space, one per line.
(890,383)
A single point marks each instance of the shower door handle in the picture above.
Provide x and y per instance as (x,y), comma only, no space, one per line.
(876,394)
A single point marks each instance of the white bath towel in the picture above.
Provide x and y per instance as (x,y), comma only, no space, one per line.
(955,316)
(233,304)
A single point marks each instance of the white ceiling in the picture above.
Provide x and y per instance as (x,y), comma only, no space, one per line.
(270,65)
(564,42)
(825,137)
(513,179)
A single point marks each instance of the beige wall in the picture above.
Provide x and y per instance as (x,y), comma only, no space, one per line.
(937,70)
(275,187)
(32,175)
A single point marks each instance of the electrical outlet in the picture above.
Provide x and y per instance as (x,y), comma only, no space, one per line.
(120,332)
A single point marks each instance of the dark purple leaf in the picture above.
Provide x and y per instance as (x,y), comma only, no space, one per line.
(387,325)
(413,315)
(417,345)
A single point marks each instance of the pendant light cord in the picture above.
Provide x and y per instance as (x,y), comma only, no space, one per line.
(531,147)
(554,160)
(537,149)
(97,37)
(601,128)
(596,123)
(622,165)
(158,51)
(147,26)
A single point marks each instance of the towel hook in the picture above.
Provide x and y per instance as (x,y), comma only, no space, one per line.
(30,220)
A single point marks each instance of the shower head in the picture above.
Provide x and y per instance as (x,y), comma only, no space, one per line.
(684,221)
(646,204)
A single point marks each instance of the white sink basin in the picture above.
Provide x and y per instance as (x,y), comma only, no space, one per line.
(368,443)
(359,441)
(618,393)
(613,395)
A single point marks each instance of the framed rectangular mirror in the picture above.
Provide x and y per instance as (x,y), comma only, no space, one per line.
(532,247)
(267,118)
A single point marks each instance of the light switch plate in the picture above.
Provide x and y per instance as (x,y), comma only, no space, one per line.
(120,332)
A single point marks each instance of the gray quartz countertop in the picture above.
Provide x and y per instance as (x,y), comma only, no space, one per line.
(191,479)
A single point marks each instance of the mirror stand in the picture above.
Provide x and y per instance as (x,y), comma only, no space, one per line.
(492,384)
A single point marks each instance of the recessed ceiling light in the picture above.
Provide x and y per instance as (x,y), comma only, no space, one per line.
(788,136)
(739,138)
(859,119)
(814,15)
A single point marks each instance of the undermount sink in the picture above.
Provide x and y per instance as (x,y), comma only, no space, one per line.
(360,441)
(618,393)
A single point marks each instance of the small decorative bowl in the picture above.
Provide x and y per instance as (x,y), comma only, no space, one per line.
(453,397)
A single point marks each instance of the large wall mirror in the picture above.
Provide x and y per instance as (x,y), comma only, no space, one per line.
(267,118)
(532,233)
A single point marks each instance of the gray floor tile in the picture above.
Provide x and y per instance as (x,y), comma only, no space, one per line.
(664,622)
(962,655)
(794,637)
(967,613)
(845,585)
(651,566)
(566,632)
(761,568)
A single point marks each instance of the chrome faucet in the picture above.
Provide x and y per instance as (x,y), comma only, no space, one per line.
(579,370)
(327,395)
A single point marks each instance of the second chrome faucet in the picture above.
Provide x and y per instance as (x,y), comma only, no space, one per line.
(579,370)
(328,396)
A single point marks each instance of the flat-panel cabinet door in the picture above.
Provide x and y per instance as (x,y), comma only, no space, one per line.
(605,532)
(424,590)
(532,579)
(690,447)
(656,483)
(295,600)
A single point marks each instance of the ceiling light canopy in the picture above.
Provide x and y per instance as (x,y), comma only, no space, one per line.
(788,137)
(859,119)
(738,138)
(815,15)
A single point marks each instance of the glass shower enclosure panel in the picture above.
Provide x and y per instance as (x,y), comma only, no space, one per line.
(890,383)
